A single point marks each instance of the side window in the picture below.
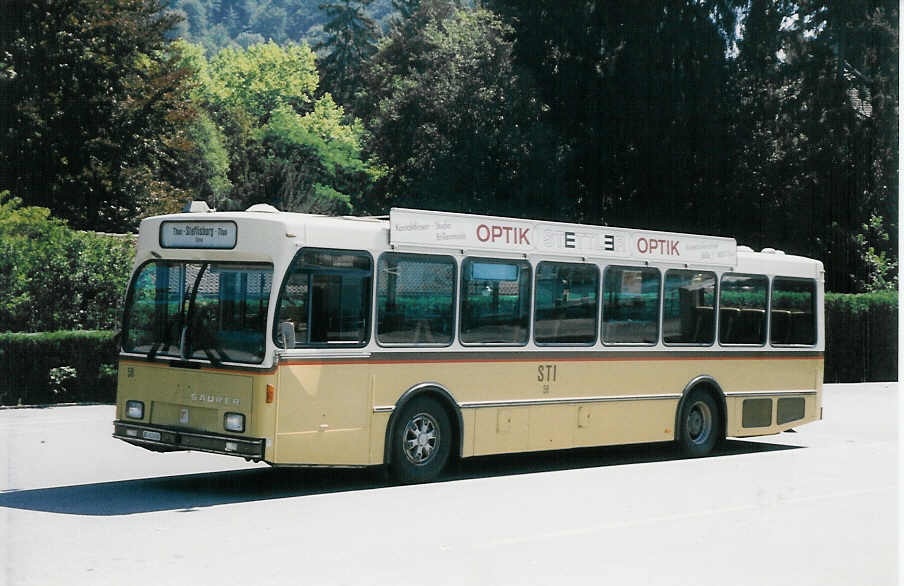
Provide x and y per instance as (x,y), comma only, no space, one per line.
(495,301)
(742,309)
(793,316)
(325,299)
(689,307)
(415,299)
(565,307)
(630,305)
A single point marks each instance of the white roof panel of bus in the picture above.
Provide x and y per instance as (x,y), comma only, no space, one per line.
(473,234)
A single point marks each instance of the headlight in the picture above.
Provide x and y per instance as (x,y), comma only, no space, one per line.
(135,409)
(234,422)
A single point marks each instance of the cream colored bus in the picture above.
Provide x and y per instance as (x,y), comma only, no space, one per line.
(412,339)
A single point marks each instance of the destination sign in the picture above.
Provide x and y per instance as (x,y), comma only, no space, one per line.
(464,231)
(216,235)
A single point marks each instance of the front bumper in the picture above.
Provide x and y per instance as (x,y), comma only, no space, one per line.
(164,439)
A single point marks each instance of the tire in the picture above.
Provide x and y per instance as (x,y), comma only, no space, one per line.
(421,441)
(699,425)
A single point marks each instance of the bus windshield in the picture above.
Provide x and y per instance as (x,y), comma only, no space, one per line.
(191,310)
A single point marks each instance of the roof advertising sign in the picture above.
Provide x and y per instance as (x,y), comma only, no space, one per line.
(465,231)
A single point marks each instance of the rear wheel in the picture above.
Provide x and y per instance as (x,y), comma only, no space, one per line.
(700,424)
(421,441)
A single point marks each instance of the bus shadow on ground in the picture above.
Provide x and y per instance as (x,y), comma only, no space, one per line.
(187,493)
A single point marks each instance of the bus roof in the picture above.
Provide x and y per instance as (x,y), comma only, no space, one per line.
(263,231)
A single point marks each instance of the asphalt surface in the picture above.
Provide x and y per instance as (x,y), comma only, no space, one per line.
(819,506)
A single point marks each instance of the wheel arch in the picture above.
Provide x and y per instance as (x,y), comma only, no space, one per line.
(445,399)
(709,384)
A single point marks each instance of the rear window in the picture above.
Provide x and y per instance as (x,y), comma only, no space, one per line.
(793,313)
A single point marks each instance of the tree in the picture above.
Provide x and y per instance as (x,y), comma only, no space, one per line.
(762,202)
(847,56)
(351,39)
(93,94)
(454,121)
(817,128)
(313,161)
(638,96)
(263,78)
(205,161)
(286,146)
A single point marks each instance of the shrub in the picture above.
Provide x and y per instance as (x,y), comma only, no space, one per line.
(58,367)
(54,278)
(861,337)
(62,381)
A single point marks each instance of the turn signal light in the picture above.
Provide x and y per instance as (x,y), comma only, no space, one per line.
(271,393)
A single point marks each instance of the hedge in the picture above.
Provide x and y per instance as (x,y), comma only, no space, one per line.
(58,367)
(76,366)
(861,337)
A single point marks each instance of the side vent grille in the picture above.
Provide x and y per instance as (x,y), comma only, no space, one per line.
(790,410)
(757,413)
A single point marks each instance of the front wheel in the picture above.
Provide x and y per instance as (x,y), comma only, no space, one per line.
(700,424)
(421,441)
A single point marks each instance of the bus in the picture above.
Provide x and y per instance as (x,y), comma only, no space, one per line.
(420,337)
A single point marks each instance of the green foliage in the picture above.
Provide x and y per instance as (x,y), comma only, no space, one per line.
(636,98)
(62,380)
(455,122)
(881,270)
(861,337)
(304,164)
(351,38)
(858,305)
(95,101)
(205,158)
(285,144)
(56,278)
(211,179)
(263,78)
(817,122)
(774,122)
(338,144)
(218,24)
(58,367)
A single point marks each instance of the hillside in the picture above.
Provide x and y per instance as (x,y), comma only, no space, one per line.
(216,24)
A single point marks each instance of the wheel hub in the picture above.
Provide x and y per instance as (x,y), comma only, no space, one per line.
(695,423)
(421,438)
(699,423)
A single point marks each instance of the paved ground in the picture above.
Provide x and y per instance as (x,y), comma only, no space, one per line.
(814,507)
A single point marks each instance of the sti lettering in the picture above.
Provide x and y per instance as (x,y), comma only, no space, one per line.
(506,234)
